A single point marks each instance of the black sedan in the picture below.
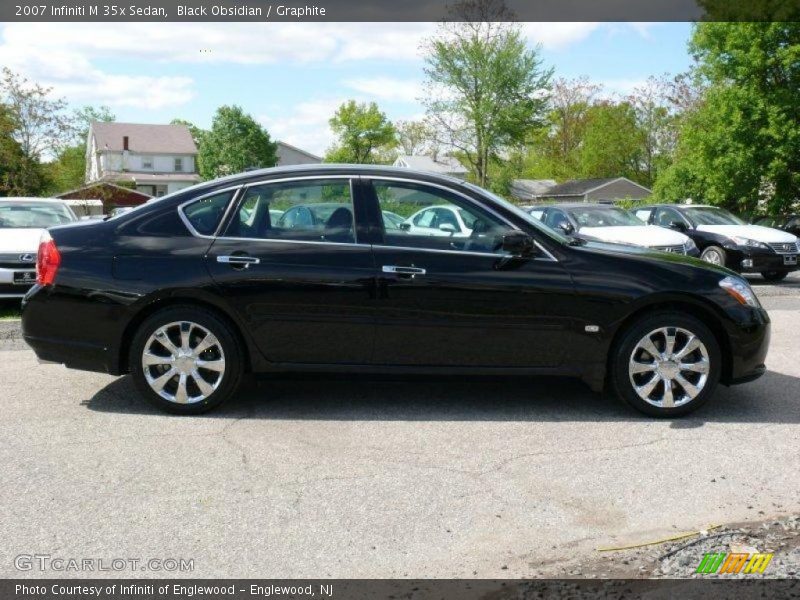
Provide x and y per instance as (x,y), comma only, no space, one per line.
(190,292)
(724,239)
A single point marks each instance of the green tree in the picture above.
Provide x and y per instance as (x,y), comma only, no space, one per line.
(19,175)
(415,137)
(40,124)
(83,117)
(485,88)
(236,142)
(741,146)
(363,134)
(613,143)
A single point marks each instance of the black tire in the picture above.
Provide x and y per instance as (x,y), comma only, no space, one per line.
(228,341)
(774,275)
(620,377)
(710,251)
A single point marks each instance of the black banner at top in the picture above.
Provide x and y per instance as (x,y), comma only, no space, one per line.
(395,10)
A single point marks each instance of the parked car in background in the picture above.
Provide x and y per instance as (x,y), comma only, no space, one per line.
(788,223)
(444,221)
(190,292)
(22,221)
(724,239)
(608,223)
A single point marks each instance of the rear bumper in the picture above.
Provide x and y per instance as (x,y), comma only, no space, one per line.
(75,355)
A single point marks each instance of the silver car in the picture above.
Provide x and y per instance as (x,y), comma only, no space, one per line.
(22,222)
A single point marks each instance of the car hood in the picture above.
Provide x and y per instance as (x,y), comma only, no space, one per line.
(644,235)
(20,240)
(648,254)
(753,232)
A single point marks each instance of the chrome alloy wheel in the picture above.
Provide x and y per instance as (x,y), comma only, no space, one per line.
(713,257)
(183,362)
(669,367)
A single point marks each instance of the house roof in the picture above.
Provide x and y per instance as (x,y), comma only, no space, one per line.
(300,150)
(143,138)
(104,184)
(526,189)
(442,164)
(580,187)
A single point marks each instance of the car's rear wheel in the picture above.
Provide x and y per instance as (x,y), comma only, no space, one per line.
(714,255)
(186,360)
(666,365)
(774,275)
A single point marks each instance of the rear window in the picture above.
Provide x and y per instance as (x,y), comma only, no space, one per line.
(206,214)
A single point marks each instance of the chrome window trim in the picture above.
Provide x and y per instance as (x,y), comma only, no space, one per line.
(242,187)
(234,198)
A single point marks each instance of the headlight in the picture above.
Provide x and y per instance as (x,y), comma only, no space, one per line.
(740,290)
(690,246)
(743,241)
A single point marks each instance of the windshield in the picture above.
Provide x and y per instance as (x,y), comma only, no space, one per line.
(29,215)
(604,216)
(521,213)
(707,215)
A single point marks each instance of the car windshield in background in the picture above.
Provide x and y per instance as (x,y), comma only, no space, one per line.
(32,216)
(707,215)
(552,233)
(604,217)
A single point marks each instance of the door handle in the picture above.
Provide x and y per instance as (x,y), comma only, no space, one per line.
(403,271)
(238,261)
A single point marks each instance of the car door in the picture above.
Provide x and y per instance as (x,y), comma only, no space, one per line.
(305,293)
(462,301)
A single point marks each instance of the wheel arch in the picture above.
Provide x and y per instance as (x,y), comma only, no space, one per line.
(178,299)
(695,307)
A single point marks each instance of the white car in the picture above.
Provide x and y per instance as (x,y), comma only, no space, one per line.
(608,223)
(442,220)
(22,222)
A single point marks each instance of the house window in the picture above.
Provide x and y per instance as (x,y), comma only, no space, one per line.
(147,162)
(179,164)
(161,190)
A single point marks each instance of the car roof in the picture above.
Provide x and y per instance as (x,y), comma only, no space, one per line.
(334,169)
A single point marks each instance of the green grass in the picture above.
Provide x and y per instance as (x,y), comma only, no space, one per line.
(9,310)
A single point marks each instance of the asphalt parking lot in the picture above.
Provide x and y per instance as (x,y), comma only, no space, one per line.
(384,477)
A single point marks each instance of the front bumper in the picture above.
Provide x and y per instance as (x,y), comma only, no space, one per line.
(9,289)
(756,260)
(749,343)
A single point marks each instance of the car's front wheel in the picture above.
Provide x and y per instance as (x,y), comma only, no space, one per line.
(774,275)
(666,365)
(186,360)
(714,255)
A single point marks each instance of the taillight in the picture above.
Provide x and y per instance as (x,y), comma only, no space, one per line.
(47,261)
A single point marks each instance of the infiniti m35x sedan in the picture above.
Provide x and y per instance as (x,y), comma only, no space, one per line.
(191,291)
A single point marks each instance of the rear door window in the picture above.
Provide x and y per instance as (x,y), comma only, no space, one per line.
(206,214)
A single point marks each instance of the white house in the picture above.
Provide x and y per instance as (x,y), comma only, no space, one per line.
(446,165)
(157,159)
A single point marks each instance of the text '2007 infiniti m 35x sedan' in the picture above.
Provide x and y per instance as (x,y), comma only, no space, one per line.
(190,292)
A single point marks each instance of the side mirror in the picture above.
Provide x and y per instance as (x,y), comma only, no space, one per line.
(405,226)
(678,226)
(447,228)
(566,227)
(518,243)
